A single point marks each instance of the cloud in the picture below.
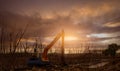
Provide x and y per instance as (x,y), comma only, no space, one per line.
(80,18)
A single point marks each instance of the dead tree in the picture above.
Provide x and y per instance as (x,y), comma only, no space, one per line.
(18,38)
(2,39)
(10,41)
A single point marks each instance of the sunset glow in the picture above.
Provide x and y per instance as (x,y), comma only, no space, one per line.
(70,38)
(82,20)
(55,35)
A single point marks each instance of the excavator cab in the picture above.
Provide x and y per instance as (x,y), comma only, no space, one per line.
(43,61)
(37,62)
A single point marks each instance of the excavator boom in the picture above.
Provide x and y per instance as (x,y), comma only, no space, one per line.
(44,54)
(35,61)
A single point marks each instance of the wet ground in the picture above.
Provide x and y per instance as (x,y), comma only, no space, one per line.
(58,68)
(79,62)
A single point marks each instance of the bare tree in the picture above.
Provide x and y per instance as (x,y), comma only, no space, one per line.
(18,38)
(2,39)
(10,41)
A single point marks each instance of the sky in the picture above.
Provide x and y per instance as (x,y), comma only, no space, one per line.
(96,21)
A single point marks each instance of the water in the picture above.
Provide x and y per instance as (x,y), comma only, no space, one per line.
(98,65)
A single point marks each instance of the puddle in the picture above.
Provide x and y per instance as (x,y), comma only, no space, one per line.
(98,65)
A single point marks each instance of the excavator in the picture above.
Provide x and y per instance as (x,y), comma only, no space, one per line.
(44,61)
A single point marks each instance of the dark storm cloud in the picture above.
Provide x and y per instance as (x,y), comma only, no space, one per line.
(28,6)
(37,26)
(84,16)
(97,23)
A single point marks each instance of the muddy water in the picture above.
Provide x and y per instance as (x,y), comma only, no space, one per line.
(98,65)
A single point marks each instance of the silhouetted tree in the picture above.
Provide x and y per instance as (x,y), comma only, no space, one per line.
(112,48)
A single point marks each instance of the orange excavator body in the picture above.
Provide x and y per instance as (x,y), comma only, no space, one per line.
(36,61)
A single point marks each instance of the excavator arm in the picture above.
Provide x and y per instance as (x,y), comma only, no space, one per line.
(44,54)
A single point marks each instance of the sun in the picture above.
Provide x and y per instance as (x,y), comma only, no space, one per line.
(70,38)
